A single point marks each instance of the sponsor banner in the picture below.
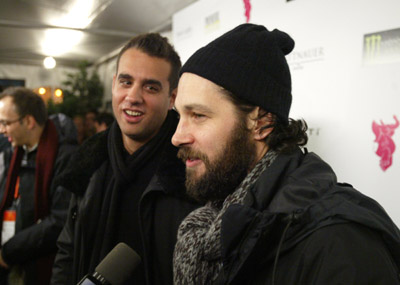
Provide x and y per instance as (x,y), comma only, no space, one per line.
(212,22)
(298,59)
(383,137)
(382,47)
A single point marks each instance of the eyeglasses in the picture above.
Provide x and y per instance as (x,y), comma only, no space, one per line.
(5,123)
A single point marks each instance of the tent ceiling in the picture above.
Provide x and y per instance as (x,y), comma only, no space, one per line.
(32,29)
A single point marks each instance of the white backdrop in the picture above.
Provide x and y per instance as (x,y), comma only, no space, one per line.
(345,72)
(35,76)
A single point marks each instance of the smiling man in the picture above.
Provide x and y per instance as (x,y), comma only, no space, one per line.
(33,208)
(274,213)
(127,182)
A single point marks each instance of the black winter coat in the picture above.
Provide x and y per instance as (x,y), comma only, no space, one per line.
(299,226)
(162,207)
(35,240)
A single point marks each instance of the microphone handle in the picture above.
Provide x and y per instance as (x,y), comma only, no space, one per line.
(95,279)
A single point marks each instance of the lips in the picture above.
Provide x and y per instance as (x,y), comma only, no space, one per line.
(133,116)
(191,162)
(190,157)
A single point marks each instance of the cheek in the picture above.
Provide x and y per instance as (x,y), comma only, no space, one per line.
(210,143)
(217,140)
(158,106)
(116,97)
(116,101)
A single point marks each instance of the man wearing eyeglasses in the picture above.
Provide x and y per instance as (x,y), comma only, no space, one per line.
(32,209)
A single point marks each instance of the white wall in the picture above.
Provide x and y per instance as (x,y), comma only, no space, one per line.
(338,92)
(106,71)
(35,76)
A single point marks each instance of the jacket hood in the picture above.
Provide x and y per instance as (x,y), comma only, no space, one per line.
(309,193)
(298,191)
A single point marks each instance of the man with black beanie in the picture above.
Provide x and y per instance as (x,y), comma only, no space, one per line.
(274,213)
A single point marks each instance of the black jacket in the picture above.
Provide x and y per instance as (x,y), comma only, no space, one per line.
(299,226)
(162,207)
(35,240)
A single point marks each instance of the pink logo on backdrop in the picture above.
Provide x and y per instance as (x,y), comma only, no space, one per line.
(386,147)
(247,9)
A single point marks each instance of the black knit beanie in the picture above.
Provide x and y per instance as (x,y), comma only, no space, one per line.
(250,62)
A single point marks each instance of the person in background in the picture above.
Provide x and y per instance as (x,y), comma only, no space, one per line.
(90,119)
(103,121)
(127,182)
(33,208)
(5,157)
(274,213)
(79,122)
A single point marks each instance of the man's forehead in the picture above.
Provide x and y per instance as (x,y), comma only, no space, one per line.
(198,95)
(6,98)
(140,66)
(194,87)
(7,103)
(134,56)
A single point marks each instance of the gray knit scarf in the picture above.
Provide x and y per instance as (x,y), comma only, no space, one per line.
(197,255)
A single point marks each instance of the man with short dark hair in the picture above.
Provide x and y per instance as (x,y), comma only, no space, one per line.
(127,182)
(274,214)
(33,208)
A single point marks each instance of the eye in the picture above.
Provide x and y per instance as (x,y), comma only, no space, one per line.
(125,82)
(152,88)
(198,116)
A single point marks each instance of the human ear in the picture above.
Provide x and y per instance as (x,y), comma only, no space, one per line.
(30,121)
(172,98)
(263,124)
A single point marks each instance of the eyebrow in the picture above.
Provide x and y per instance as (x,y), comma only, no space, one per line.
(198,107)
(124,75)
(153,82)
(145,81)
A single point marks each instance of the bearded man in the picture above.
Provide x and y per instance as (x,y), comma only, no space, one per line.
(274,213)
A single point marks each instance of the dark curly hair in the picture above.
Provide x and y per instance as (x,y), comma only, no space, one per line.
(285,137)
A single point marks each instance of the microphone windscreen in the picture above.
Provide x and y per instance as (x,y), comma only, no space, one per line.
(118,264)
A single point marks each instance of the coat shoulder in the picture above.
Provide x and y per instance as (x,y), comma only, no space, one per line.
(339,254)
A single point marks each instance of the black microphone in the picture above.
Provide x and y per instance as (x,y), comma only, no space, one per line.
(115,268)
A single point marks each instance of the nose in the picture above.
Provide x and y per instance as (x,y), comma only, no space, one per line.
(182,135)
(135,95)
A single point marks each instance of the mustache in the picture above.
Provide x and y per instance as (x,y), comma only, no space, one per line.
(185,153)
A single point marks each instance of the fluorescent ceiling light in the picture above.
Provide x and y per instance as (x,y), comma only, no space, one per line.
(78,15)
(60,41)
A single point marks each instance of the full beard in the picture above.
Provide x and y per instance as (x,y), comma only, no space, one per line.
(223,175)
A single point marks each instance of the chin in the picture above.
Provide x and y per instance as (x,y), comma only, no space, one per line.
(194,174)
